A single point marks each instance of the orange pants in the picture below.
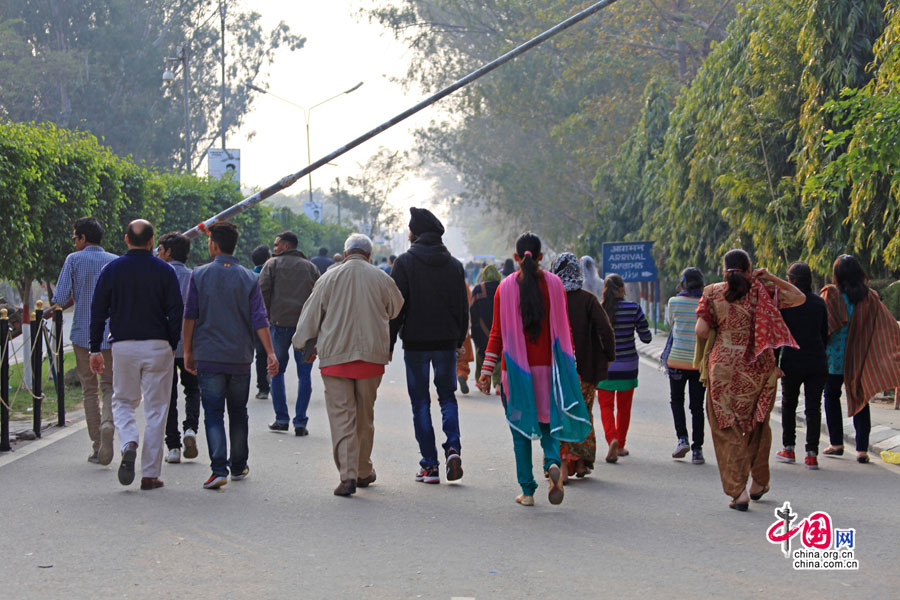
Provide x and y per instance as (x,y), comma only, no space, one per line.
(615,414)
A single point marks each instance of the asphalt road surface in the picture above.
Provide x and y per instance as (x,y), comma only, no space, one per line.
(647,527)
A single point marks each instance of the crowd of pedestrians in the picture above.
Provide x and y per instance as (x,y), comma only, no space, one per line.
(547,342)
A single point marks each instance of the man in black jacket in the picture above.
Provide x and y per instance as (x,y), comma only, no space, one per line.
(432,325)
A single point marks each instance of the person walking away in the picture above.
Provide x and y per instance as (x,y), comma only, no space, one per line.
(863,353)
(594,342)
(75,285)
(347,319)
(139,294)
(742,375)
(467,355)
(509,267)
(678,361)
(432,324)
(808,366)
(531,331)
(224,312)
(337,258)
(286,281)
(322,261)
(174,248)
(616,392)
(592,281)
(260,255)
(481,311)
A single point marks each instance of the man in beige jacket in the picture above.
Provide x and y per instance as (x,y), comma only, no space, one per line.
(346,321)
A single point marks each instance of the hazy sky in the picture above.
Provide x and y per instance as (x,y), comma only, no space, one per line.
(341,50)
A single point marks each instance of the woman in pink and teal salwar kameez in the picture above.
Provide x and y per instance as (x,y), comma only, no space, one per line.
(544,400)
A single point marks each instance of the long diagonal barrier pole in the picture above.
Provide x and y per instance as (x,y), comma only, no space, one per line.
(288,181)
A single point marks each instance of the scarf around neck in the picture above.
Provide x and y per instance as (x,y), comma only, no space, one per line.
(569,418)
(568,269)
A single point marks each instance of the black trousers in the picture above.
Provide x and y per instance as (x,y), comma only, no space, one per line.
(813,382)
(191,405)
(690,379)
(262,376)
(834,416)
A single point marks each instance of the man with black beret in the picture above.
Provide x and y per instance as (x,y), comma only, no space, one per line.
(433,326)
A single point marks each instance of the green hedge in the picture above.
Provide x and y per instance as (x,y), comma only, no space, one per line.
(49,177)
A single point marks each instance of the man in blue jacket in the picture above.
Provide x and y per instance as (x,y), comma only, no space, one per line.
(223,314)
(140,296)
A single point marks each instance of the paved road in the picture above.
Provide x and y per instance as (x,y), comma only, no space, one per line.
(647,527)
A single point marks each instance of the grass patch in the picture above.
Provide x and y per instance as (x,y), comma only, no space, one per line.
(20,400)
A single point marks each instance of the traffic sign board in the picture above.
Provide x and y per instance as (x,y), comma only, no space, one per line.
(632,260)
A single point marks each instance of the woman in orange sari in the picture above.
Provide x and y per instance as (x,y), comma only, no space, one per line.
(743,377)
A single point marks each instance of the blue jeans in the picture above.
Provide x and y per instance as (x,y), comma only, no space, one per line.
(281,340)
(417,371)
(218,391)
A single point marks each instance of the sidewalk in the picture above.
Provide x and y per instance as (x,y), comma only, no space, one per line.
(885,433)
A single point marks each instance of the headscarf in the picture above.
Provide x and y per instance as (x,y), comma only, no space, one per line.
(592,281)
(568,269)
(489,273)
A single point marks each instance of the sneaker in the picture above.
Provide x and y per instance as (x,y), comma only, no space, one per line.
(126,467)
(787,455)
(454,465)
(215,482)
(174,455)
(94,458)
(276,426)
(697,457)
(429,475)
(463,384)
(190,443)
(681,448)
(107,434)
(242,475)
(261,395)
(812,461)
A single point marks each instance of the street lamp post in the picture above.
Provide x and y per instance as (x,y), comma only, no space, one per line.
(306,116)
(169,75)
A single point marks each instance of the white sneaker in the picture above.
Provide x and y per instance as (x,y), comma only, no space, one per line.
(190,443)
(681,448)
(174,455)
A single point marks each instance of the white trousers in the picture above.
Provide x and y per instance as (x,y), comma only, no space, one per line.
(143,368)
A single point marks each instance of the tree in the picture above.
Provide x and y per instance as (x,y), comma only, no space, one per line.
(96,65)
(378,177)
(529,138)
(866,175)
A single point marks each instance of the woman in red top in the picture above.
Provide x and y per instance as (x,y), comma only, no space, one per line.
(531,331)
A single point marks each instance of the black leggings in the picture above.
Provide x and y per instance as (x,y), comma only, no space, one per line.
(691,379)
(834,416)
(813,382)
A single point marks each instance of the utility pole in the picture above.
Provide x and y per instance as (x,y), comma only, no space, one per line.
(222,14)
(185,52)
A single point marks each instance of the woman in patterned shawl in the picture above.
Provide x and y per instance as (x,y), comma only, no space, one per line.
(743,377)
(595,347)
(863,353)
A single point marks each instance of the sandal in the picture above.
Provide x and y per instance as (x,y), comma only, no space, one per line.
(525,500)
(613,454)
(862,458)
(740,506)
(758,495)
(556,493)
(833,451)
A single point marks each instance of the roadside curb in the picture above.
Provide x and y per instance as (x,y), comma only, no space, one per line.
(881,438)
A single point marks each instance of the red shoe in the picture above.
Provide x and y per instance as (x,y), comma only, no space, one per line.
(786,456)
(812,461)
